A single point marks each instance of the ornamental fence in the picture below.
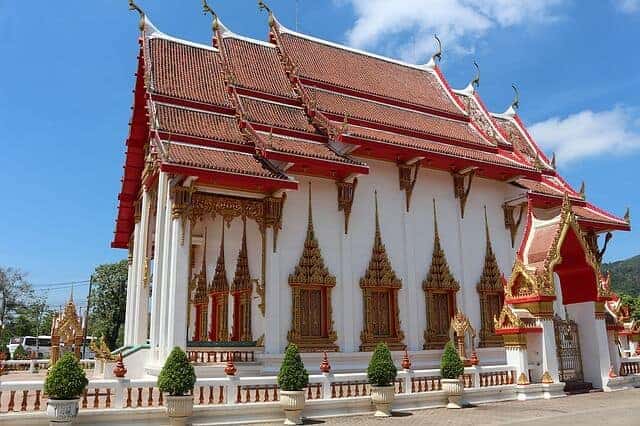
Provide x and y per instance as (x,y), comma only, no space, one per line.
(29,396)
(630,366)
(27,364)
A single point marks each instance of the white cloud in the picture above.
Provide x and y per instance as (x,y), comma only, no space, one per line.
(628,6)
(588,133)
(455,21)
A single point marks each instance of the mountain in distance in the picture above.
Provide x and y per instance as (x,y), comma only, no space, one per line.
(625,275)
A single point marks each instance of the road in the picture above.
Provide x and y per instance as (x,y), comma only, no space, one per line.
(611,409)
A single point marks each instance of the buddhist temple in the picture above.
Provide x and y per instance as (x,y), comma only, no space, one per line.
(293,189)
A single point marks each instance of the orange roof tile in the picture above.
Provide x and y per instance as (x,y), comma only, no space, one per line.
(257,66)
(346,68)
(186,72)
(276,114)
(305,148)
(398,117)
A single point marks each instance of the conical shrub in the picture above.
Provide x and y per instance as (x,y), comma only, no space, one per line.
(381,370)
(292,376)
(451,366)
(177,376)
(65,379)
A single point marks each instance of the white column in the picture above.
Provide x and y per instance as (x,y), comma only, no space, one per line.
(156,287)
(460,302)
(614,353)
(164,281)
(128,316)
(142,291)
(350,290)
(549,354)
(593,343)
(178,289)
(410,307)
(131,325)
(518,358)
(272,343)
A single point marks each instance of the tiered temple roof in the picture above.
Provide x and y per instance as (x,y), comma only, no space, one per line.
(248,114)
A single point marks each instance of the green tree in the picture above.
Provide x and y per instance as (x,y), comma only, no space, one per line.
(108,302)
(20,353)
(292,376)
(15,292)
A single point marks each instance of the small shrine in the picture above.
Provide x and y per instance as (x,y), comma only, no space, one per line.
(67,331)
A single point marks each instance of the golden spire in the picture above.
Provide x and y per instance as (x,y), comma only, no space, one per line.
(200,295)
(220,282)
(491,278)
(242,278)
(380,271)
(439,276)
(311,268)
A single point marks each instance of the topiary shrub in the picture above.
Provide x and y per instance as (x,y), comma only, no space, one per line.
(381,370)
(451,366)
(20,353)
(292,376)
(65,379)
(177,376)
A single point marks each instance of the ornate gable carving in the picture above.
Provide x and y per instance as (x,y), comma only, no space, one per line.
(439,276)
(491,278)
(242,277)
(220,283)
(200,294)
(507,319)
(311,284)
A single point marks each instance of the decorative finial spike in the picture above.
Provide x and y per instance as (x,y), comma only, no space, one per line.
(476,80)
(582,189)
(553,161)
(486,226)
(627,215)
(263,6)
(435,218)
(206,9)
(437,57)
(515,104)
(135,7)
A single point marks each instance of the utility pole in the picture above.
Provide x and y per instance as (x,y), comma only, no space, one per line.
(86,319)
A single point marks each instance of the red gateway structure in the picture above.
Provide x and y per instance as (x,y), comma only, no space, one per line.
(247,116)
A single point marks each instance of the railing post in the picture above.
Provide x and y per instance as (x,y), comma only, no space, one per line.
(121,387)
(327,378)
(476,377)
(232,389)
(408,376)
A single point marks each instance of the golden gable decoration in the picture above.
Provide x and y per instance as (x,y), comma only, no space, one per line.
(219,296)
(241,289)
(440,289)
(311,285)
(491,291)
(380,287)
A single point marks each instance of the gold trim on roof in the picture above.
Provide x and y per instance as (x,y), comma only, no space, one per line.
(507,319)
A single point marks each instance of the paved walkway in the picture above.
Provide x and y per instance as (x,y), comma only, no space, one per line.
(610,409)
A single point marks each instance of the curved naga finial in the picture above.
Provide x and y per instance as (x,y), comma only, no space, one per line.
(207,9)
(263,6)
(516,100)
(438,54)
(476,80)
(135,7)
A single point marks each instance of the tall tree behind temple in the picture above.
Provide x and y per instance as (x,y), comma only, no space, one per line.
(108,302)
(15,291)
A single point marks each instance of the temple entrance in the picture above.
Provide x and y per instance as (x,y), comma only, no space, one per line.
(569,354)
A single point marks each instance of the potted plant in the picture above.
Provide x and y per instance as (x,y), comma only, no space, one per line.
(177,379)
(292,379)
(20,354)
(451,370)
(64,384)
(382,374)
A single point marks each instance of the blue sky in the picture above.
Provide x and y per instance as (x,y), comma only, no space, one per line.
(67,74)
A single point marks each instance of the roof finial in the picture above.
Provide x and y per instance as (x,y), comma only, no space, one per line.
(553,161)
(207,9)
(476,81)
(438,54)
(263,6)
(627,215)
(582,189)
(515,104)
(135,7)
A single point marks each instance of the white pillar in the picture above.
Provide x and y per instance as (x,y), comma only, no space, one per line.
(156,287)
(460,302)
(178,289)
(518,358)
(165,302)
(614,352)
(349,289)
(549,354)
(410,307)
(130,326)
(593,343)
(142,291)
(128,316)
(272,343)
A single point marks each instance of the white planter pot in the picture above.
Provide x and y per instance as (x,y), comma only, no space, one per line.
(382,397)
(179,409)
(62,411)
(293,403)
(453,388)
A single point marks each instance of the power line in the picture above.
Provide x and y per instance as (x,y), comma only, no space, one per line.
(61,283)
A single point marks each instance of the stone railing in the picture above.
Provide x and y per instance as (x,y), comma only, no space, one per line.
(28,396)
(28,364)
(630,366)
(209,356)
